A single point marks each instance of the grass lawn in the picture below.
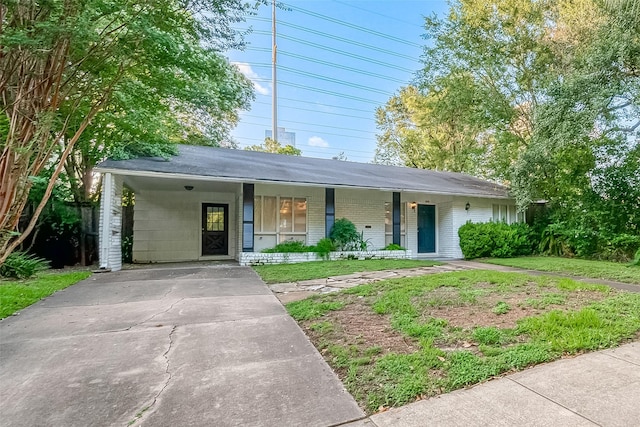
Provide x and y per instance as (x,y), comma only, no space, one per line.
(18,294)
(281,273)
(577,267)
(396,341)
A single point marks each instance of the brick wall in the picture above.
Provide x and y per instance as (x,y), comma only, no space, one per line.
(257,258)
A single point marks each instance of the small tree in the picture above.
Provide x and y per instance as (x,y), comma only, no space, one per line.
(272,146)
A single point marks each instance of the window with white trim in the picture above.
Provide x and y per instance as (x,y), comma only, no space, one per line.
(284,218)
(388,224)
(507,213)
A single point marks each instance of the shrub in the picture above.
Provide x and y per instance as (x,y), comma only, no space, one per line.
(325,246)
(495,239)
(345,235)
(393,247)
(21,265)
(289,247)
(636,259)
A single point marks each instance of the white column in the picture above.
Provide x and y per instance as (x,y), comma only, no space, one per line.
(106,202)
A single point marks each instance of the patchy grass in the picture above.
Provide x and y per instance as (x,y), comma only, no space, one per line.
(18,294)
(282,273)
(395,341)
(574,267)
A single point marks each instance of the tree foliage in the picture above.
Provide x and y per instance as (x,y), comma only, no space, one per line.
(84,79)
(541,95)
(272,146)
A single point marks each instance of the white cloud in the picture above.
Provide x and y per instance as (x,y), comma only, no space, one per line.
(316,141)
(253,76)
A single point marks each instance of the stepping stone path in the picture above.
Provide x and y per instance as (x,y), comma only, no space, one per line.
(295,291)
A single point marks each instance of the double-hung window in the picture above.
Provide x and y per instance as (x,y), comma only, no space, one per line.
(507,214)
(388,224)
(282,218)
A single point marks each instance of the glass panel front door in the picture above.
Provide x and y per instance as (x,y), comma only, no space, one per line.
(215,229)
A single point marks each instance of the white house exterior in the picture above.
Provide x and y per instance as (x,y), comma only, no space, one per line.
(213,203)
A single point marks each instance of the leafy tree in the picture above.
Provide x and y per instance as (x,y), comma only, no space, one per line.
(471,108)
(272,146)
(66,63)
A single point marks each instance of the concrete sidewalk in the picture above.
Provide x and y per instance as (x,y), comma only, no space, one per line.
(179,346)
(595,389)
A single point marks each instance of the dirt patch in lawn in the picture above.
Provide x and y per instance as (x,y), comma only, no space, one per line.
(356,324)
(531,300)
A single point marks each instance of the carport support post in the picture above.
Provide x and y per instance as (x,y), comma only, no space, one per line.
(396,218)
(106,202)
(248,191)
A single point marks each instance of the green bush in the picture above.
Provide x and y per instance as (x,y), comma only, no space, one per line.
(289,247)
(21,265)
(345,235)
(636,259)
(393,247)
(325,246)
(495,239)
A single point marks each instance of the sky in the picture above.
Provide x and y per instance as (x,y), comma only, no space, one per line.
(338,60)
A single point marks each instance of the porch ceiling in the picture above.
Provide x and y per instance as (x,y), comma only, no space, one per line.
(144,183)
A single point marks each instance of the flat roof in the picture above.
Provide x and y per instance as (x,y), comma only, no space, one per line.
(253,166)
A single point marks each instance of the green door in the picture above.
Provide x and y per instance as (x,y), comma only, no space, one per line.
(426,228)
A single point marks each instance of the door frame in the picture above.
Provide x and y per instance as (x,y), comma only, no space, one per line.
(435,228)
(203,206)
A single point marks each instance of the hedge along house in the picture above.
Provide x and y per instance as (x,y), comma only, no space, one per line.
(215,203)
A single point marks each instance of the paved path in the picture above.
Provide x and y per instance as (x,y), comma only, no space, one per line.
(294,291)
(180,346)
(595,389)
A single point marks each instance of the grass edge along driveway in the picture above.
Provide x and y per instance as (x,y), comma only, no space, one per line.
(18,294)
(567,318)
(604,270)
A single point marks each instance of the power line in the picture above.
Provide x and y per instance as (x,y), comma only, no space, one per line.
(328,92)
(344,53)
(312,131)
(379,14)
(332,80)
(324,78)
(330,64)
(327,105)
(334,37)
(312,124)
(347,24)
(317,111)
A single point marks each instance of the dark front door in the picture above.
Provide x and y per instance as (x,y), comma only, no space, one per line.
(215,229)
(426,228)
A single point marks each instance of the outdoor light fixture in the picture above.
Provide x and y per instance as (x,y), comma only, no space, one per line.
(467,206)
(413,205)
(188,187)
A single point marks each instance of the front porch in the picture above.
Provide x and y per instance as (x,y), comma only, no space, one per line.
(190,218)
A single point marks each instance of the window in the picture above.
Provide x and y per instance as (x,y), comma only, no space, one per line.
(388,223)
(507,213)
(215,218)
(282,218)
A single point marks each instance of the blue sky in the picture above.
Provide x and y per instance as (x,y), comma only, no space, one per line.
(338,60)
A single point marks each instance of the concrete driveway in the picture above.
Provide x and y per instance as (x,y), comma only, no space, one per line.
(169,346)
